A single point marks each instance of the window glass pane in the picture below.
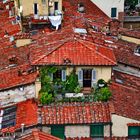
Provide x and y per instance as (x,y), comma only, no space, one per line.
(97,130)
(57,75)
(113,12)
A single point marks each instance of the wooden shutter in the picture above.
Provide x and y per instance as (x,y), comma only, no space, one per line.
(58,131)
(96,130)
(80,77)
(94,75)
(63,75)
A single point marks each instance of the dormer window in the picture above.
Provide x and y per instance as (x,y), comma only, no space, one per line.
(137,51)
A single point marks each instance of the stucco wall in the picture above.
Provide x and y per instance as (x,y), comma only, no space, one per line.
(77,131)
(119,127)
(107,130)
(102,72)
(22,42)
(15,95)
(106,5)
(130,39)
(28,7)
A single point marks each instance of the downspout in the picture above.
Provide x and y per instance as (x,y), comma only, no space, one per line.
(111,130)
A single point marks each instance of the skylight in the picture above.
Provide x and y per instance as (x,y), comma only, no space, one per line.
(80,30)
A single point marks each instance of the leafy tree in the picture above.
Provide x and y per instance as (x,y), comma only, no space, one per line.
(131,2)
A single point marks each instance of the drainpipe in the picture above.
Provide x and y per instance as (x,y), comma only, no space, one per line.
(111,130)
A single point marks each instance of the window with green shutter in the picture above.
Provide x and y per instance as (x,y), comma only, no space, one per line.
(96,130)
(134,131)
(58,131)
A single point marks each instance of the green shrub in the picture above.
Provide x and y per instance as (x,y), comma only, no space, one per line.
(72,82)
(46,98)
(101,82)
(77,89)
(102,94)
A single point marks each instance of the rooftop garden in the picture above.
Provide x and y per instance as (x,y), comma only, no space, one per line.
(53,91)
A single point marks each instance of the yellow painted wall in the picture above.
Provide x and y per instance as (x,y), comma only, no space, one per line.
(130,39)
(28,7)
(22,42)
(102,72)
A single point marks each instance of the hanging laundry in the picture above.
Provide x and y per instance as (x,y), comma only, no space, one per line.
(55,20)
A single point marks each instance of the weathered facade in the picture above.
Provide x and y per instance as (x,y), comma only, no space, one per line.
(112,8)
(37,7)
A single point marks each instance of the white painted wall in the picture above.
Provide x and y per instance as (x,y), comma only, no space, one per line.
(119,127)
(83,131)
(106,5)
(15,95)
(77,131)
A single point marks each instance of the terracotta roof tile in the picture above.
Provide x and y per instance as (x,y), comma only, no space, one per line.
(26,114)
(38,135)
(127,79)
(76,113)
(74,50)
(71,14)
(126,101)
(126,49)
(133,124)
(130,33)
(11,77)
(105,138)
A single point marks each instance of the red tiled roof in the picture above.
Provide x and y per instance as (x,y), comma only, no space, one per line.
(26,114)
(38,135)
(74,50)
(23,36)
(11,78)
(124,53)
(72,16)
(133,124)
(105,138)
(130,33)
(126,101)
(128,80)
(77,113)
(6,26)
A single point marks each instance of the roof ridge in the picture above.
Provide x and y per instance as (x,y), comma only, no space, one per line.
(81,41)
(64,41)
